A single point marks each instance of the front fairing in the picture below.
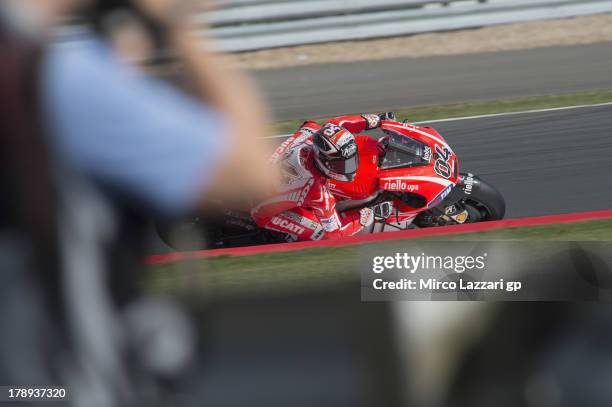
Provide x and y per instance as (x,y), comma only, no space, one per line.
(433,177)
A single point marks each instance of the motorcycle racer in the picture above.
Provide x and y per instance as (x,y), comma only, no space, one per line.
(408,178)
(304,208)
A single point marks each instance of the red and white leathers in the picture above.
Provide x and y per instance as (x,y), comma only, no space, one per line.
(304,208)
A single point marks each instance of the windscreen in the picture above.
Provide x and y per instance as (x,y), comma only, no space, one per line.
(404,151)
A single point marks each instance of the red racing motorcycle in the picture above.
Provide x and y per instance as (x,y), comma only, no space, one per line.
(412,171)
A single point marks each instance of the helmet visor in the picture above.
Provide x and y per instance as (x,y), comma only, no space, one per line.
(345,166)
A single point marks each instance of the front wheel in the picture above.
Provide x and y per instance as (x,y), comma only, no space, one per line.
(482,200)
(472,200)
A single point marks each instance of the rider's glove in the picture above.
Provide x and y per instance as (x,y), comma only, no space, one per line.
(388,116)
(372,121)
(366,216)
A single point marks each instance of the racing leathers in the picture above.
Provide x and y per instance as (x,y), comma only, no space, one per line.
(304,208)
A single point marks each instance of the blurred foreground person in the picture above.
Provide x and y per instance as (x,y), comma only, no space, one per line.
(91,147)
(145,138)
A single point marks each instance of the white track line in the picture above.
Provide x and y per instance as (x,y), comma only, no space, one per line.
(484,116)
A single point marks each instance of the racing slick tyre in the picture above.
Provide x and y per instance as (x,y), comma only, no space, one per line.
(219,230)
(483,198)
(184,235)
(480,199)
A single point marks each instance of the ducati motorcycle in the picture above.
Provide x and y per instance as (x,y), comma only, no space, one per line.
(411,176)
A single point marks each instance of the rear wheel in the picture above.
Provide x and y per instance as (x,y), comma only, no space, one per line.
(183,235)
(224,229)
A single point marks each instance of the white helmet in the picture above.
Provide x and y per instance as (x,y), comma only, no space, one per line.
(336,152)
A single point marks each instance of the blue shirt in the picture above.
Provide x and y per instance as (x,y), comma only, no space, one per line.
(131,132)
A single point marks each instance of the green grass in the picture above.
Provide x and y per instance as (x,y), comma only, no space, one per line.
(223,275)
(422,113)
(304,269)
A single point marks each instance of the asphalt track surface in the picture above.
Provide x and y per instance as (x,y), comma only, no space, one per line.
(323,90)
